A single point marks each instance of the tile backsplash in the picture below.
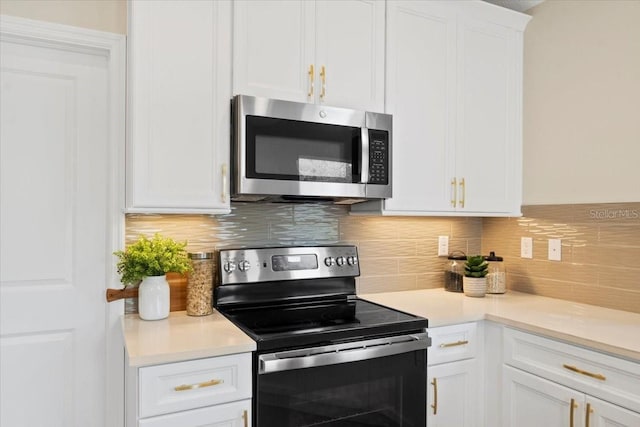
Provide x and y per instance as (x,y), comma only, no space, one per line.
(600,245)
(600,252)
(396,253)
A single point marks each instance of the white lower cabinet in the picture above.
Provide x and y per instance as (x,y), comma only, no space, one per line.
(453,397)
(215,391)
(552,383)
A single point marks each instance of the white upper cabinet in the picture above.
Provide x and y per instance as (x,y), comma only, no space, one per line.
(454,88)
(327,52)
(178,106)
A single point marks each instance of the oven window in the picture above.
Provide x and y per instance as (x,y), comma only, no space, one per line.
(383,392)
(302,151)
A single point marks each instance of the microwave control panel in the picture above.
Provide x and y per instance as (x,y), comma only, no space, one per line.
(378,157)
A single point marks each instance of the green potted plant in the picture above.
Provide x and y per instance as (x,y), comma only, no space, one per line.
(147,262)
(475,272)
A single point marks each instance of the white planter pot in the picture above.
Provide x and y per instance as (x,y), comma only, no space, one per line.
(474,286)
(153,298)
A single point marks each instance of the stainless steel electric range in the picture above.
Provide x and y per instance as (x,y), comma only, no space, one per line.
(324,357)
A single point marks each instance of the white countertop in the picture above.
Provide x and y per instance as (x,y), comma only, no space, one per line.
(181,337)
(612,331)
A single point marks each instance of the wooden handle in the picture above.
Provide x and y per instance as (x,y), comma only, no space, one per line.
(116,294)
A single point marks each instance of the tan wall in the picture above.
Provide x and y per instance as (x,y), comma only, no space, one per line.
(581,108)
(103,15)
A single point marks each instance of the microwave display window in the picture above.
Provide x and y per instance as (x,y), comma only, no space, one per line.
(302,151)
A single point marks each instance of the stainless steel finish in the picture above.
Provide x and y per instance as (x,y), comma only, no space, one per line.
(364,160)
(249,189)
(260,262)
(200,255)
(341,353)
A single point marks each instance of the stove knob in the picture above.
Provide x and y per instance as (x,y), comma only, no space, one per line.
(229,266)
(328,261)
(244,265)
(340,261)
(352,260)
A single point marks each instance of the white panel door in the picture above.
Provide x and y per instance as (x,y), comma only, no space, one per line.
(531,401)
(453,394)
(420,84)
(603,414)
(273,49)
(487,154)
(56,225)
(179,111)
(350,41)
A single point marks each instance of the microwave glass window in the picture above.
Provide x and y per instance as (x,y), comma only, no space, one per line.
(291,150)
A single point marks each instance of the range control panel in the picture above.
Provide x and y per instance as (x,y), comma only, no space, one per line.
(287,263)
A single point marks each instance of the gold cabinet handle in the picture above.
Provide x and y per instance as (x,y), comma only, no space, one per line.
(434,405)
(323,77)
(245,418)
(311,77)
(587,373)
(463,191)
(185,387)
(454,344)
(589,411)
(573,406)
(223,195)
(454,192)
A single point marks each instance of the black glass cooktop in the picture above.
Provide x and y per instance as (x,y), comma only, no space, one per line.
(322,322)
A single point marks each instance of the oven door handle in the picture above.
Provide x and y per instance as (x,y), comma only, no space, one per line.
(341,353)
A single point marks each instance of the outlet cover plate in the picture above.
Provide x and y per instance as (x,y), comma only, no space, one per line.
(555,250)
(526,247)
(443,245)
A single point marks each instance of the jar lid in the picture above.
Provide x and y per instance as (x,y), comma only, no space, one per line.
(200,255)
(457,256)
(492,257)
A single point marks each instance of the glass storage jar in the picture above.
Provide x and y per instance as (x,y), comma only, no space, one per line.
(200,285)
(454,272)
(497,276)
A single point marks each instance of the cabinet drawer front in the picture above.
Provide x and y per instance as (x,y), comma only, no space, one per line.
(610,378)
(225,415)
(451,343)
(194,384)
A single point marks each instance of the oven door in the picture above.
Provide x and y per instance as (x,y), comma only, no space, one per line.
(379,382)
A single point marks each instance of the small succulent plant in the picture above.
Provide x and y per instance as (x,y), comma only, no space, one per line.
(476,266)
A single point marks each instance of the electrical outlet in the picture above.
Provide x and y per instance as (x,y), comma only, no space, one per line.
(443,245)
(555,250)
(526,247)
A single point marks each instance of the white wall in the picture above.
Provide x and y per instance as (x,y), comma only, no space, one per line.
(103,15)
(582,102)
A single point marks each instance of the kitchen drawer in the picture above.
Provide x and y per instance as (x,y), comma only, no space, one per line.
(607,377)
(228,415)
(451,343)
(193,384)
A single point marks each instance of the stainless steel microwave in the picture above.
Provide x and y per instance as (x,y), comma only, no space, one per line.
(290,151)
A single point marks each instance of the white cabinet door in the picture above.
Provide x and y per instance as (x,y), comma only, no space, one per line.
(236,414)
(420,85)
(603,414)
(454,88)
(350,55)
(326,52)
(179,113)
(488,146)
(453,394)
(274,49)
(531,401)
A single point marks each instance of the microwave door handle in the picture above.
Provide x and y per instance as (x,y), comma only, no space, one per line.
(364,160)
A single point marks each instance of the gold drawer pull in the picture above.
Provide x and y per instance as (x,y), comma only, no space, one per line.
(588,415)
(434,405)
(454,344)
(573,405)
(185,387)
(587,373)
(245,418)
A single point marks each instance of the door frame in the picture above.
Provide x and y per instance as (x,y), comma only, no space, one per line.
(113,48)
